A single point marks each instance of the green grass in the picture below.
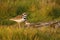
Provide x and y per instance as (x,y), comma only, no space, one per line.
(43,33)
(37,10)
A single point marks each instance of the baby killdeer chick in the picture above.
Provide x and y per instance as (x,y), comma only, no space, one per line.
(27,23)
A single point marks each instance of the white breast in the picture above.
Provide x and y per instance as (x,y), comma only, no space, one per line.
(18,20)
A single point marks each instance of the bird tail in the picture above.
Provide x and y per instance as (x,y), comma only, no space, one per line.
(10,19)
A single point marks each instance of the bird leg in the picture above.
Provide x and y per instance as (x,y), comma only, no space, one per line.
(19,25)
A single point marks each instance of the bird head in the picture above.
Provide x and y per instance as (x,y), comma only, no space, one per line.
(24,14)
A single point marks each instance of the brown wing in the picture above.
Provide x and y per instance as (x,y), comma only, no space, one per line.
(18,17)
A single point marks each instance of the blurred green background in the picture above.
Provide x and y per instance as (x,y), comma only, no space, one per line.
(37,10)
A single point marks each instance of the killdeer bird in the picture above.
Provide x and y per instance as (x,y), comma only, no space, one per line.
(19,19)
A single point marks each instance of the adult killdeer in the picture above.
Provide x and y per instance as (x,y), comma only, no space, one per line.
(19,18)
